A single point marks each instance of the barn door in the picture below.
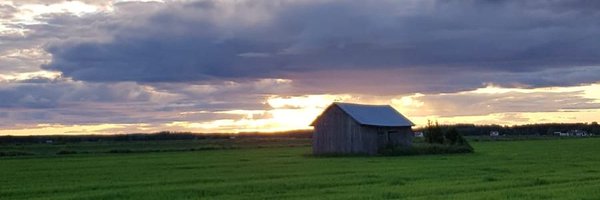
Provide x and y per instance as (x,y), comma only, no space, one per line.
(392,137)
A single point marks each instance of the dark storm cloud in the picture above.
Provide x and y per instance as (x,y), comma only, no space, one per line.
(197,42)
(433,80)
(62,27)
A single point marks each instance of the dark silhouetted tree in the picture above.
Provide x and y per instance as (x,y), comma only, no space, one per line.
(434,133)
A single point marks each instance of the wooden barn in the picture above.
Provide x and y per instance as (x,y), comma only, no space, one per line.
(345,128)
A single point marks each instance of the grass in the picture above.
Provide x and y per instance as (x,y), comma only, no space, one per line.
(24,149)
(427,149)
(541,169)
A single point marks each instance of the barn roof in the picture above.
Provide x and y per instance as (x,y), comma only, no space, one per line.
(374,115)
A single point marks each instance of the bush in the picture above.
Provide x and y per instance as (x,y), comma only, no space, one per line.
(452,137)
(436,135)
(437,141)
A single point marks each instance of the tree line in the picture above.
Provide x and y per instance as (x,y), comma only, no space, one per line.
(527,129)
(463,129)
(163,135)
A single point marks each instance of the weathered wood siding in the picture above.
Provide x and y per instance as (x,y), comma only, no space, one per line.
(384,137)
(336,132)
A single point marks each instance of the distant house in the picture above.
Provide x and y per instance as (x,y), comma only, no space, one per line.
(578,133)
(345,128)
(419,134)
(562,134)
(494,133)
(573,133)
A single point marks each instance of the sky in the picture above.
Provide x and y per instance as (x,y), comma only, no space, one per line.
(128,66)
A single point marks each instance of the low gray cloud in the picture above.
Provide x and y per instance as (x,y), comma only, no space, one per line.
(51,93)
(62,101)
(196,42)
(477,104)
(50,2)
(518,102)
(43,100)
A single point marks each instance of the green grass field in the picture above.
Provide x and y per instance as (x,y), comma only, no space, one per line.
(54,149)
(541,169)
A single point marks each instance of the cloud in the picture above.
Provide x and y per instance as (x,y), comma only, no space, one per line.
(42,92)
(236,41)
(247,65)
(494,99)
(42,100)
(22,60)
(34,24)
(63,101)
(50,2)
(7,11)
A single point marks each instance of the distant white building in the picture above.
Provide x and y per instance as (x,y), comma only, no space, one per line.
(419,134)
(494,133)
(561,134)
(578,133)
(573,133)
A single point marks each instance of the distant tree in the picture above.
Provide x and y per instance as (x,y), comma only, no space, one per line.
(434,133)
(594,128)
(448,136)
(526,129)
(551,131)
